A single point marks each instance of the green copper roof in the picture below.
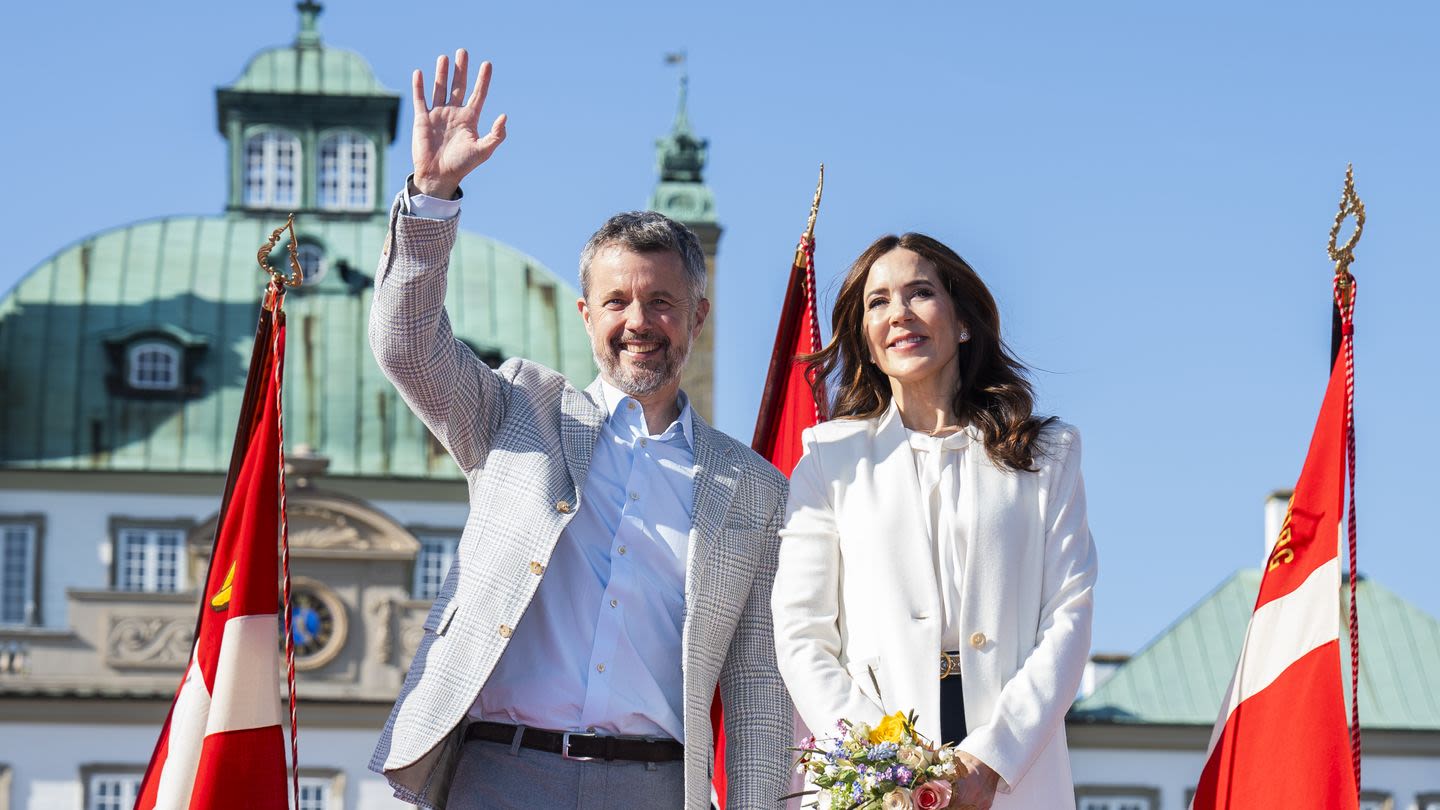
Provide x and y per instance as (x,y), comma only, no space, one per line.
(1181,676)
(194,279)
(308,67)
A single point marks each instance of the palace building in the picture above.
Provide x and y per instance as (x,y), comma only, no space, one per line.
(122,365)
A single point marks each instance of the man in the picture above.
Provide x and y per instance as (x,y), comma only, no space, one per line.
(618,557)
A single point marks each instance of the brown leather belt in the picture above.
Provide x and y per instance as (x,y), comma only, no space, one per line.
(580,746)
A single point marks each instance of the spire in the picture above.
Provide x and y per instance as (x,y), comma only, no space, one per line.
(681,155)
(309,36)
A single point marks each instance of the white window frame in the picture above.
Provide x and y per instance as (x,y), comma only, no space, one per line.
(345,173)
(150,575)
(316,793)
(120,789)
(437,545)
(27,533)
(1376,800)
(272,170)
(144,373)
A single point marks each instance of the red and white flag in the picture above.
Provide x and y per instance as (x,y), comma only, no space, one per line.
(222,746)
(1281,739)
(787,407)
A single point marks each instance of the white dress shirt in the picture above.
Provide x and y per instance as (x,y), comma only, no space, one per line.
(938,462)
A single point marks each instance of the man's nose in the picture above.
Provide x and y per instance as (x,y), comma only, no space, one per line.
(636,316)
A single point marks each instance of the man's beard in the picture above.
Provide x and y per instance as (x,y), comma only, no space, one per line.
(634,379)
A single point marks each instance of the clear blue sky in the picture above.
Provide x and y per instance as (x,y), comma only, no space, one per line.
(1145,186)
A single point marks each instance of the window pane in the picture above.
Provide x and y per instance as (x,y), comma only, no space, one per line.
(154,366)
(437,552)
(113,791)
(150,560)
(343,179)
(272,169)
(314,794)
(17,573)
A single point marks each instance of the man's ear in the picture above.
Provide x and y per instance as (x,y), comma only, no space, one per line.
(702,310)
(584,312)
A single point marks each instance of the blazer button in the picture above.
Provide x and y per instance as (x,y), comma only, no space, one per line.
(505,631)
(536,568)
(977,640)
(563,507)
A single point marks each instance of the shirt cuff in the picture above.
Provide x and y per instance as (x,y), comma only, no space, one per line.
(427,207)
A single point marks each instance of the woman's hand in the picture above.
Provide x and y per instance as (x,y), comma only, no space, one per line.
(445,142)
(975,789)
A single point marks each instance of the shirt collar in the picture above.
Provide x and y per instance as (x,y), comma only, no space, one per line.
(616,401)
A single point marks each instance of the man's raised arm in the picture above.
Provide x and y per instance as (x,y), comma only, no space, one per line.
(446,385)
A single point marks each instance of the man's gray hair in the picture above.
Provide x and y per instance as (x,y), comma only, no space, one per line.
(648,232)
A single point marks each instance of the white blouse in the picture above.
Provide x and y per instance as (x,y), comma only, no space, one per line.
(937,466)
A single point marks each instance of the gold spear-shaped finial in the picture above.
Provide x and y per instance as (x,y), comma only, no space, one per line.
(809,236)
(1350,204)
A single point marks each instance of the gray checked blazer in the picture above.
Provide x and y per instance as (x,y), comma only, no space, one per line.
(524,437)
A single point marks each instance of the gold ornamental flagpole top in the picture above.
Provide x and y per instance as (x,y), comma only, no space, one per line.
(809,236)
(263,256)
(1344,255)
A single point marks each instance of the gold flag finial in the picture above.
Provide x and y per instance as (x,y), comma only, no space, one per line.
(809,236)
(1343,255)
(263,256)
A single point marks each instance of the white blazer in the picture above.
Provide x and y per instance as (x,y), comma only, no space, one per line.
(857,607)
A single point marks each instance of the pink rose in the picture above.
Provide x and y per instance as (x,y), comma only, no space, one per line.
(931,795)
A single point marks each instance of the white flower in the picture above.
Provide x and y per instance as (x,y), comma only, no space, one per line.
(912,756)
(898,799)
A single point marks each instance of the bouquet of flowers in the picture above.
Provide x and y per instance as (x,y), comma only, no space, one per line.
(888,767)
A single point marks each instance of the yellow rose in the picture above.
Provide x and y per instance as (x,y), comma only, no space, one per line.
(889,729)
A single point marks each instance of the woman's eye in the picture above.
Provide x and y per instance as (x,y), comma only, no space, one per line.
(875,302)
(924,292)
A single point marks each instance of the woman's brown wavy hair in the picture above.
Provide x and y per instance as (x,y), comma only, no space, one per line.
(994,394)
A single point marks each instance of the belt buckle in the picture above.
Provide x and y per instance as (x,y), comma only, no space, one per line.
(949,665)
(565,747)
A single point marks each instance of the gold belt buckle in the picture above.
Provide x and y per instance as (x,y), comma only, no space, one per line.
(949,664)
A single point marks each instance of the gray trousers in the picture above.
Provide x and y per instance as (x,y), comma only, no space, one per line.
(496,776)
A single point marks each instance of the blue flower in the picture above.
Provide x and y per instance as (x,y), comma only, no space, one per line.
(883,751)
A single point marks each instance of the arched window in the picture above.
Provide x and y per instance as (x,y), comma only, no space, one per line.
(154,366)
(272,170)
(346,168)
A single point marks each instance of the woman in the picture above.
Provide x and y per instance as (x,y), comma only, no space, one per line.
(936,556)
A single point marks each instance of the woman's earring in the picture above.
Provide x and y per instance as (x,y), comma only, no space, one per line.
(964,335)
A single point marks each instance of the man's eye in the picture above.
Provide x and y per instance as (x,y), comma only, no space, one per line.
(660,303)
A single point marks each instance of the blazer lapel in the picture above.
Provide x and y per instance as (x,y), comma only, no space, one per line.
(715,477)
(581,415)
(906,514)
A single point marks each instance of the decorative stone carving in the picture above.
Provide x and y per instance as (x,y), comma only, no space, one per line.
(412,630)
(384,613)
(149,641)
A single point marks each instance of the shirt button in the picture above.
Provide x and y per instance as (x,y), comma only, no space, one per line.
(505,631)
(622,550)
(977,640)
(644,442)
(599,667)
(614,603)
(634,496)
(630,405)
(563,507)
(536,568)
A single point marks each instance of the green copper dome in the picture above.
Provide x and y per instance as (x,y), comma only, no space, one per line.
(308,67)
(192,283)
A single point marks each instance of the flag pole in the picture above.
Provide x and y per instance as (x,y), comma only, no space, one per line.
(1342,346)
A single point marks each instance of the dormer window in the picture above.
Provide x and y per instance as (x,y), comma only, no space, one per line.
(312,263)
(347,165)
(154,366)
(272,170)
(154,362)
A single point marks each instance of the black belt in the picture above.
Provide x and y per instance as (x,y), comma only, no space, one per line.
(579,746)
